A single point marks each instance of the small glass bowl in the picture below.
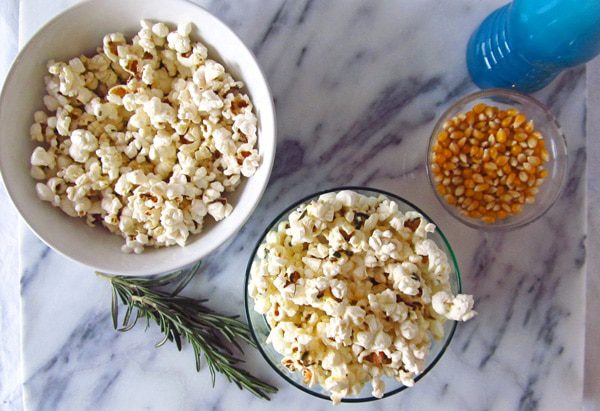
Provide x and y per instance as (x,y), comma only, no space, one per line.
(260,328)
(554,139)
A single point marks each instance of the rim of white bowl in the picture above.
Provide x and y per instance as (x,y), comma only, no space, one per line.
(183,262)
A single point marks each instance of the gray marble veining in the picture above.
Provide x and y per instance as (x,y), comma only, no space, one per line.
(358,87)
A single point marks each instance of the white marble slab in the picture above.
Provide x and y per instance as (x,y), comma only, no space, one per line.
(10,345)
(592,340)
(357,88)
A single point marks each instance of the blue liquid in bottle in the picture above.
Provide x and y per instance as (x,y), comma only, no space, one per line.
(527,43)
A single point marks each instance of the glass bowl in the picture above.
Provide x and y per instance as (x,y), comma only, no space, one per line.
(555,144)
(260,328)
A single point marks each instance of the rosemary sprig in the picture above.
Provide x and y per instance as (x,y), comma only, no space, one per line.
(182,318)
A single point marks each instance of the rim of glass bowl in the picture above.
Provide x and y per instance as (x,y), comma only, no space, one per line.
(513,95)
(285,213)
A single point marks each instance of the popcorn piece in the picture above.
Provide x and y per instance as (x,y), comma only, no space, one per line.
(41,157)
(43,192)
(160,30)
(378,387)
(457,308)
(37,173)
(219,210)
(179,42)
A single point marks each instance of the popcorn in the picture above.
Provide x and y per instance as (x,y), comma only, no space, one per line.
(179,42)
(219,210)
(44,193)
(363,282)
(37,173)
(83,142)
(160,30)
(43,158)
(458,308)
(378,387)
(145,138)
(405,277)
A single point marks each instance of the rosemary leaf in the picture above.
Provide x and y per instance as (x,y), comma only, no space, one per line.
(115,308)
(212,336)
(186,279)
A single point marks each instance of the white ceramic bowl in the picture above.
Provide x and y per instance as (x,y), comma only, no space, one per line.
(80,29)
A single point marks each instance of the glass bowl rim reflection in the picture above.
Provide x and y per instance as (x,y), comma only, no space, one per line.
(558,138)
(284,214)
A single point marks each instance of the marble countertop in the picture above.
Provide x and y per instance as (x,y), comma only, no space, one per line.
(356,96)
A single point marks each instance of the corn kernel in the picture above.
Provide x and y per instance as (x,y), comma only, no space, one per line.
(519,119)
(478,108)
(501,136)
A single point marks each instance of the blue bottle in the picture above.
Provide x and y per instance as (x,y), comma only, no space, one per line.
(525,44)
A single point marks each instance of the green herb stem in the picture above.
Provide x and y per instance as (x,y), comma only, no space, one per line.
(211,335)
